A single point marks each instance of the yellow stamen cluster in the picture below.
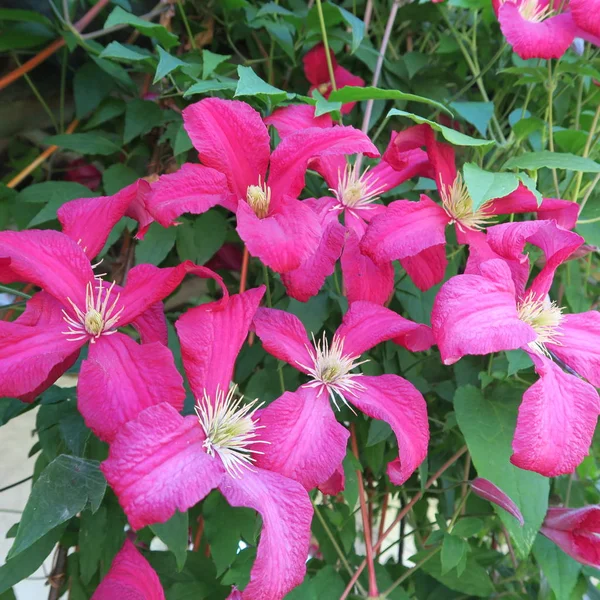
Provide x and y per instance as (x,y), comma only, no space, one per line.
(458,205)
(259,198)
(531,11)
(545,318)
(354,190)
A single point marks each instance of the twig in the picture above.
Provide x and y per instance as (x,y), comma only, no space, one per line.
(326,44)
(55,579)
(12,485)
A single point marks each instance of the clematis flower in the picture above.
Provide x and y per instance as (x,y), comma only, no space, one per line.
(414,232)
(234,147)
(575,531)
(490,309)
(130,576)
(161,462)
(84,173)
(77,307)
(317,73)
(310,442)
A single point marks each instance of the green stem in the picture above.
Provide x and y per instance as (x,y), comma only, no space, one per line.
(326,44)
(589,193)
(550,123)
(266,282)
(410,572)
(186,24)
(281,380)
(9,290)
(586,151)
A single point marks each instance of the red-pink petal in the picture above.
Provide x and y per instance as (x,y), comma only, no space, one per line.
(89,221)
(335,484)
(152,325)
(130,577)
(585,15)
(385,177)
(307,444)
(290,119)
(286,513)
(157,465)
(477,314)
(285,238)
(231,138)
(315,64)
(489,491)
(556,421)
(41,309)
(283,335)
(211,337)
(586,518)
(396,401)
(546,39)
(344,78)
(442,159)
(405,146)
(120,378)
(426,268)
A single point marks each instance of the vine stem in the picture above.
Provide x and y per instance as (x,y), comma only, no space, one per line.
(586,151)
(244,273)
(402,514)
(326,44)
(373,591)
(551,124)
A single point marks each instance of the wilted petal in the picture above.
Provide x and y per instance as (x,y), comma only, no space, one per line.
(286,513)
(396,401)
(426,268)
(307,444)
(489,491)
(290,119)
(211,337)
(130,576)
(120,378)
(157,465)
(556,421)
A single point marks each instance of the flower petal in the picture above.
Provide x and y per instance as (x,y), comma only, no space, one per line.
(556,421)
(584,548)
(231,138)
(477,314)
(586,518)
(294,117)
(157,465)
(335,484)
(489,491)
(307,444)
(152,324)
(120,378)
(426,268)
(396,401)
(211,337)
(585,15)
(442,159)
(315,64)
(41,309)
(286,513)
(283,335)
(344,78)
(130,576)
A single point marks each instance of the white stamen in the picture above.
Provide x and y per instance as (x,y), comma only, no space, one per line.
(230,430)
(545,318)
(458,205)
(354,191)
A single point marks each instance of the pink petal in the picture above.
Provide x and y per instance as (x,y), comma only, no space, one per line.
(426,268)
(396,401)
(285,238)
(405,148)
(152,325)
(28,356)
(231,138)
(585,15)
(283,335)
(89,221)
(556,421)
(306,281)
(56,371)
(290,119)
(315,65)
(48,259)
(286,513)
(488,491)
(477,314)
(387,178)
(235,594)
(193,189)
(366,324)
(547,39)
(335,484)
(211,337)
(41,309)
(130,576)
(405,229)
(290,159)
(579,344)
(331,169)
(157,465)
(442,159)
(584,548)
(120,378)
(307,444)
(344,78)
(586,518)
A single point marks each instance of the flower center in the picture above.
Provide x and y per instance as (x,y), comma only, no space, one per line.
(458,205)
(259,198)
(323,88)
(545,318)
(354,190)
(531,11)
(331,369)
(230,430)
(98,318)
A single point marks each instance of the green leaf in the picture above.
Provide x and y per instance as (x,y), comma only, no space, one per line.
(140,117)
(351,484)
(15,14)
(92,534)
(451,135)
(210,61)
(250,84)
(414,62)
(357,28)
(324,106)
(378,432)
(91,85)
(467,526)
(560,570)
(453,549)
(119,17)
(116,177)
(517,361)
(53,191)
(485,185)
(552,160)
(282,34)
(84,143)
(24,35)
(198,241)
(167,64)
(213,85)
(127,54)
(108,110)
(358,94)
(479,114)
(155,246)
(488,427)
(530,184)
(65,487)
(174,533)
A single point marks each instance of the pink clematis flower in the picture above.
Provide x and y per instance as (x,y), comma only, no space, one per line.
(161,461)
(310,442)
(489,309)
(234,147)
(317,73)
(414,232)
(575,531)
(80,171)
(130,576)
(76,307)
